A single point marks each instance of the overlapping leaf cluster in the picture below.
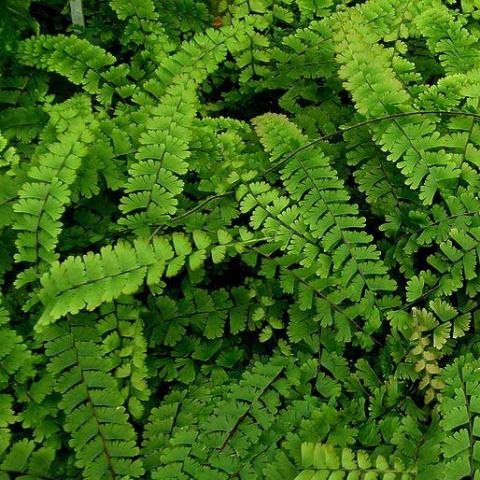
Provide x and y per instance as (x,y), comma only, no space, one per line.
(240,240)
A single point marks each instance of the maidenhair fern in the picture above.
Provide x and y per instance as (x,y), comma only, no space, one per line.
(240,240)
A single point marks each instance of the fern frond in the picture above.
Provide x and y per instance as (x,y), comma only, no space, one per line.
(311,47)
(323,212)
(43,199)
(154,182)
(205,312)
(413,144)
(100,433)
(463,134)
(447,38)
(323,200)
(9,161)
(86,282)
(184,18)
(424,355)
(311,9)
(78,60)
(143,9)
(121,330)
(142,29)
(379,180)
(457,261)
(24,459)
(197,58)
(220,430)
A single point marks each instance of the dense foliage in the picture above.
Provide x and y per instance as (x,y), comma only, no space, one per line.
(240,240)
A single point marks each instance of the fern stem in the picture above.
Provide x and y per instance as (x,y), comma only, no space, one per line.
(242,417)
(191,211)
(281,161)
(328,136)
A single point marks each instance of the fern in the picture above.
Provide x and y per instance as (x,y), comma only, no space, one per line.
(197,58)
(220,423)
(323,199)
(142,10)
(376,92)
(431,334)
(239,240)
(354,270)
